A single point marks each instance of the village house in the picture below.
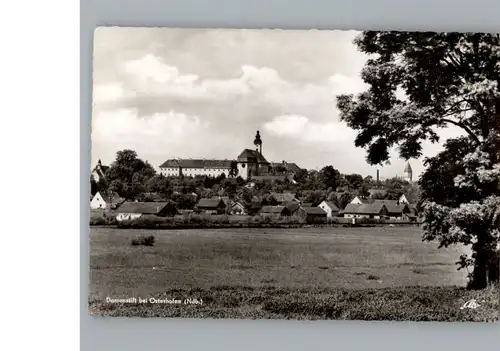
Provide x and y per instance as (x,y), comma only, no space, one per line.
(373,210)
(238,209)
(106,201)
(134,210)
(211,206)
(329,208)
(274,211)
(311,214)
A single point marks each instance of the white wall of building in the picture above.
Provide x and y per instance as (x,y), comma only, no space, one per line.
(191,172)
(98,202)
(127,216)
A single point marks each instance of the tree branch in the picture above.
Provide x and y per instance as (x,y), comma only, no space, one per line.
(464,127)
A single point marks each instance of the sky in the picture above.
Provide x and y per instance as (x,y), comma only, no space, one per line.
(195,93)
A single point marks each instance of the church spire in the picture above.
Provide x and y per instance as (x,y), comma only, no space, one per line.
(258,142)
(408,172)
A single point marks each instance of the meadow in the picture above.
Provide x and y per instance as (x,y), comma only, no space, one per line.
(313,273)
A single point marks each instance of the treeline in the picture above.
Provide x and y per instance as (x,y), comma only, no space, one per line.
(135,179)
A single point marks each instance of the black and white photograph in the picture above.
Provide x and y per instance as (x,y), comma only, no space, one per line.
(295,174)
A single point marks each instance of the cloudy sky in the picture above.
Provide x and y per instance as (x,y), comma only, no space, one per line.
(192,93)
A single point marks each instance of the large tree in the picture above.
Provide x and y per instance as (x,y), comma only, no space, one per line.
(329,177)
(128,174)
(419,82)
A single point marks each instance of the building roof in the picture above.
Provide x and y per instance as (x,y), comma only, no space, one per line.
(368,209)
(307,204)
(209,203)
(249,155)
(226,199)
(314,210)
(408,168)
(395,208)
(291,206)
(331,205)
(196,163)
(377,190)
(143,207)
(110,197)
(272,209)
(290,167)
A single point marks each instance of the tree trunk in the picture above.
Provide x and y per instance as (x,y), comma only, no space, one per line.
(486,269)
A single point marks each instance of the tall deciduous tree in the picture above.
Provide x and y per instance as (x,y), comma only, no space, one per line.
(128,174)
(420,82)
(329,177)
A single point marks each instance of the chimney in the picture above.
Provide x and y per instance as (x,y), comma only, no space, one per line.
(378,177)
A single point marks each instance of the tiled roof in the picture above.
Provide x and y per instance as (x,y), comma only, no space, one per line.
(142,207)
(223,198)
(196,163)
(291,206)
(248,155)
(209,203)
(368,209)
(290,167)
(314,210)
(332,205)
(394,208)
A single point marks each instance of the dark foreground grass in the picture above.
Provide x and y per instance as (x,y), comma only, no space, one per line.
(396,304)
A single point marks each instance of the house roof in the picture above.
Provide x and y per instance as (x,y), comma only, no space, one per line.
(272,209)
(143,207)
(154,197)
(209,203)
(331,205)
(369,209)
(196,163)
(226,199)
(248,155)
(291,206)
(307,204)
(290,167)
(394,208)
(110,197)
(314,210)
(284,197)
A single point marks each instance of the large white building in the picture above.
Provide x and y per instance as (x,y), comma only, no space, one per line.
(249,163)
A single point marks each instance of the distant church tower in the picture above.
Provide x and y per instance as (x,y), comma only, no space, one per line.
(258,143)
(408,173)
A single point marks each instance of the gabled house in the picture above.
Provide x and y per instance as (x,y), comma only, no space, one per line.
(133,210)
(211,206)
(374,210)
(106,201)
(397,210)
(311,213)
(237,208)
(274,211)
(361,200)
(329,208)
(291,206)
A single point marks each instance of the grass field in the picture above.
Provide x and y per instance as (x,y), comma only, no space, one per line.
(346,273)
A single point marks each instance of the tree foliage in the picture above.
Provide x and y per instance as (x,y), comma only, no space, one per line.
(128,174)
(418,83)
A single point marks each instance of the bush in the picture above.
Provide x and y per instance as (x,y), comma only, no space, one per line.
(142,240)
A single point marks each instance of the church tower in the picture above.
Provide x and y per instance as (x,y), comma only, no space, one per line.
(258,143)
(408,172)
